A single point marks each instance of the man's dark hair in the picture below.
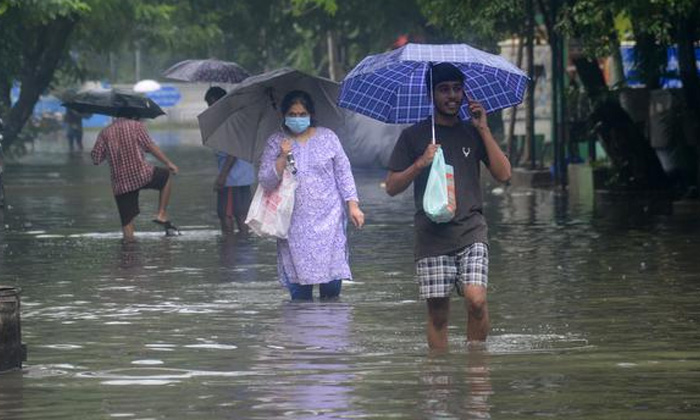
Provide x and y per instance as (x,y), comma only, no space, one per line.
(213,94)
(444,72)
(298,97)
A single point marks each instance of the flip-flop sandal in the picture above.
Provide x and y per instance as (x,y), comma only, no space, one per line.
(170,229)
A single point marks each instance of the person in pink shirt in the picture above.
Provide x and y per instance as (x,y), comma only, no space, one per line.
(123,144)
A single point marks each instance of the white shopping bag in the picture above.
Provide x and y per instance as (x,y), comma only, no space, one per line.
(271,211)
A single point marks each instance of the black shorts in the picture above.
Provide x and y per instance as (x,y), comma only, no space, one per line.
(128,203)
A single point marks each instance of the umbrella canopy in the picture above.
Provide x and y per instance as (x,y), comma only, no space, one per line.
(146,85)
(114,103)
(391,87)
(211,71)
(67,94)
(240,122)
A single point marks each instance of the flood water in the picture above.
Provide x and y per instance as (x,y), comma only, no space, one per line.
(592,318)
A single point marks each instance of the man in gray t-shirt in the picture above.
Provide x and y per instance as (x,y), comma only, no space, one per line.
(451,255)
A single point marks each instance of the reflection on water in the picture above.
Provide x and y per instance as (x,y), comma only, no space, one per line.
(309,340)
(130,256)
(459,391)
(12,395)
(238,258)
(591,317)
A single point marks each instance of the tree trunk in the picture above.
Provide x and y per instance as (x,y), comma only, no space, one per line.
(618,72)
(650,58)
(511,148)
(530,96)
(137,62)
(330,39)
(685,37)
(5,103)
(630,152)
(265,51)
(42,54)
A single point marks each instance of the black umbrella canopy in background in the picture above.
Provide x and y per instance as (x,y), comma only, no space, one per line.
(67,94)
(115,104)
(208,71)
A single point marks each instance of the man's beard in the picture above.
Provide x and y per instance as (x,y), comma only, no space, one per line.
(447,114)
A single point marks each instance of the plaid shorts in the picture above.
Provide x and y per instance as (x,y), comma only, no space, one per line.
(438,276)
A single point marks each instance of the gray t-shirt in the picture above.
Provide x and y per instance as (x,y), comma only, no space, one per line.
(464,149)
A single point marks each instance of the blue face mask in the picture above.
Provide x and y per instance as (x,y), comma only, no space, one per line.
(297,124)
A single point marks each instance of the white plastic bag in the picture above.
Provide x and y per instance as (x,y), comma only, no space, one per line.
(439,201)
(271,212)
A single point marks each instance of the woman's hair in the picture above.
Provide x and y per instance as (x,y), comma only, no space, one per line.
(213,94)
(298,97)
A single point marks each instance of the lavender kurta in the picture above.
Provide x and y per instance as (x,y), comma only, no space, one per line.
(316,250)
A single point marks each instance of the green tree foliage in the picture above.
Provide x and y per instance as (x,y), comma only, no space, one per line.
(51,43)
(266,34)
(44,40)
(656,24)
(478,23)
(35,35)
(354,29)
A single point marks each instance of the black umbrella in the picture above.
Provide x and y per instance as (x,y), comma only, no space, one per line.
(115,104)
(211,71)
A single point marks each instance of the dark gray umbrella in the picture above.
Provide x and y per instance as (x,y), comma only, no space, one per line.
(211,71)
(115,104)
(240,122)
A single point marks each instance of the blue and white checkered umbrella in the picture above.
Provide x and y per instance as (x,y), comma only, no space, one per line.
(391,87)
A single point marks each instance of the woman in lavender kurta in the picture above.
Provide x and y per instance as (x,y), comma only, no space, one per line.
(316,251)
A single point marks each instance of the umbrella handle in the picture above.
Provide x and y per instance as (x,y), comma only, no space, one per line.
(269,91)
(432,103)
(270,94)
(468,96)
